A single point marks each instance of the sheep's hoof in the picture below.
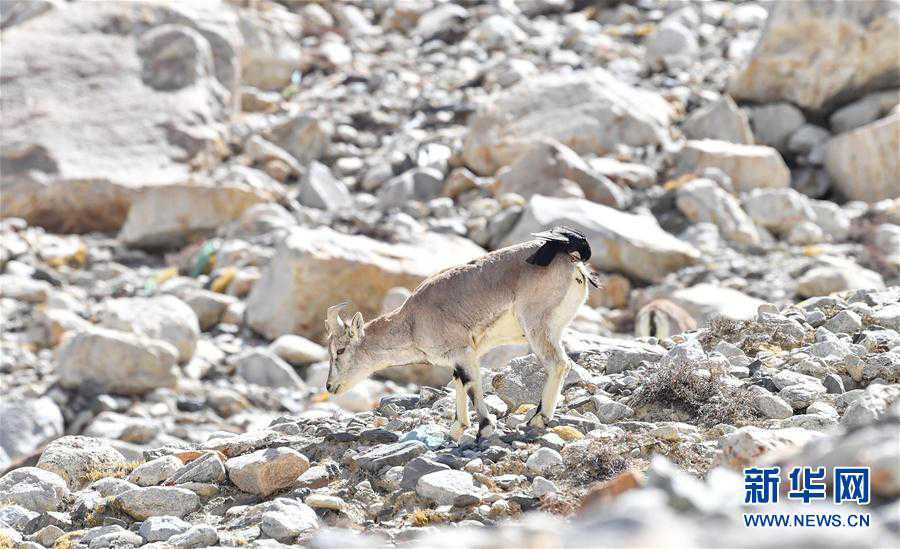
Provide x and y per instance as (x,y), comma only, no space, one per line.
(457,430)
(537,419)
(487,426)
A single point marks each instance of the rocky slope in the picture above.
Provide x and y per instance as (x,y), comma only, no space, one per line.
(186,187)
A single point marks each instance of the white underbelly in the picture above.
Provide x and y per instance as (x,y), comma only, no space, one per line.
(506,330)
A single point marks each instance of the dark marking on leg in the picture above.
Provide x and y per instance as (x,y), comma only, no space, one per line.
(471,392)
(460,373)
(482,423)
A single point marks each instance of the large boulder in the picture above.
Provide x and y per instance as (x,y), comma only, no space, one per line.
(110,361)
(863,163)
(34,489)
(552,169)
(589,111)
(705,301)
(271,51)
(748,166)
(859,37)
(173,215)
(316,268)
(836,274)
(122,114)
(702,201)
(81,460)
(163,317)
(25,426)
(633,244)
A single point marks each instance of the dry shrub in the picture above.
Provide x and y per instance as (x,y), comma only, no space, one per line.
(704,398)
(120,471)
(595,462)
(751,336)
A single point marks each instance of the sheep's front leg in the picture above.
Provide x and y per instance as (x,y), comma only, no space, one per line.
(556,364)
(462,410)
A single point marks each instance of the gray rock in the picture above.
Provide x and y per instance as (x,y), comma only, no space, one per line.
(542,487)
(749,166)
(34,489)
(778,210)
(47,535)
(74,458)
(771,406)
(721,120)
(111,486)
(207,468)
(152,501)
(170,216)
(834,274)
(557,106)
(611,412)
(703,201)
(201,535)
(155,471)
(888,316)
(208,306)
(783,69)
(672,45)
(116,362)
(807,139)
(544,462)
(443,487)
(846,321)
(272,50)
(262,367)
(116,539)
(775,123)
(421,184)
(298,350)
(398,453)
(264,472)
(833,383)
(91,174)
(17,517)
(320,189)
(626,174)
(165,318)
(416,468)
(747,445)
(288,518)
(801,395)
(27,424)
(873,404)
(161,528)
(24,289)
(862,163)
(864,111)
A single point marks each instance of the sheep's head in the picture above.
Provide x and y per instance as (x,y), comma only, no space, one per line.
(347,366)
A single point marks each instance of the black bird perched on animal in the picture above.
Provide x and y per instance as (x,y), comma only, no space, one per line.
(562,239)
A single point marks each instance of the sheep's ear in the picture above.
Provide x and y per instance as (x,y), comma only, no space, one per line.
(357,328)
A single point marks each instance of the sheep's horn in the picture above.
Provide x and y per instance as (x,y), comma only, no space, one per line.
(333,319)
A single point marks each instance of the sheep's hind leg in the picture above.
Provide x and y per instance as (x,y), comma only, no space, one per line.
(462,410)
(468,372)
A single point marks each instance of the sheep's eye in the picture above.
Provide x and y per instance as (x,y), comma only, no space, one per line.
(340,352)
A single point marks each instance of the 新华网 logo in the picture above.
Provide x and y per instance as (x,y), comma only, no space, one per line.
(763,485)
